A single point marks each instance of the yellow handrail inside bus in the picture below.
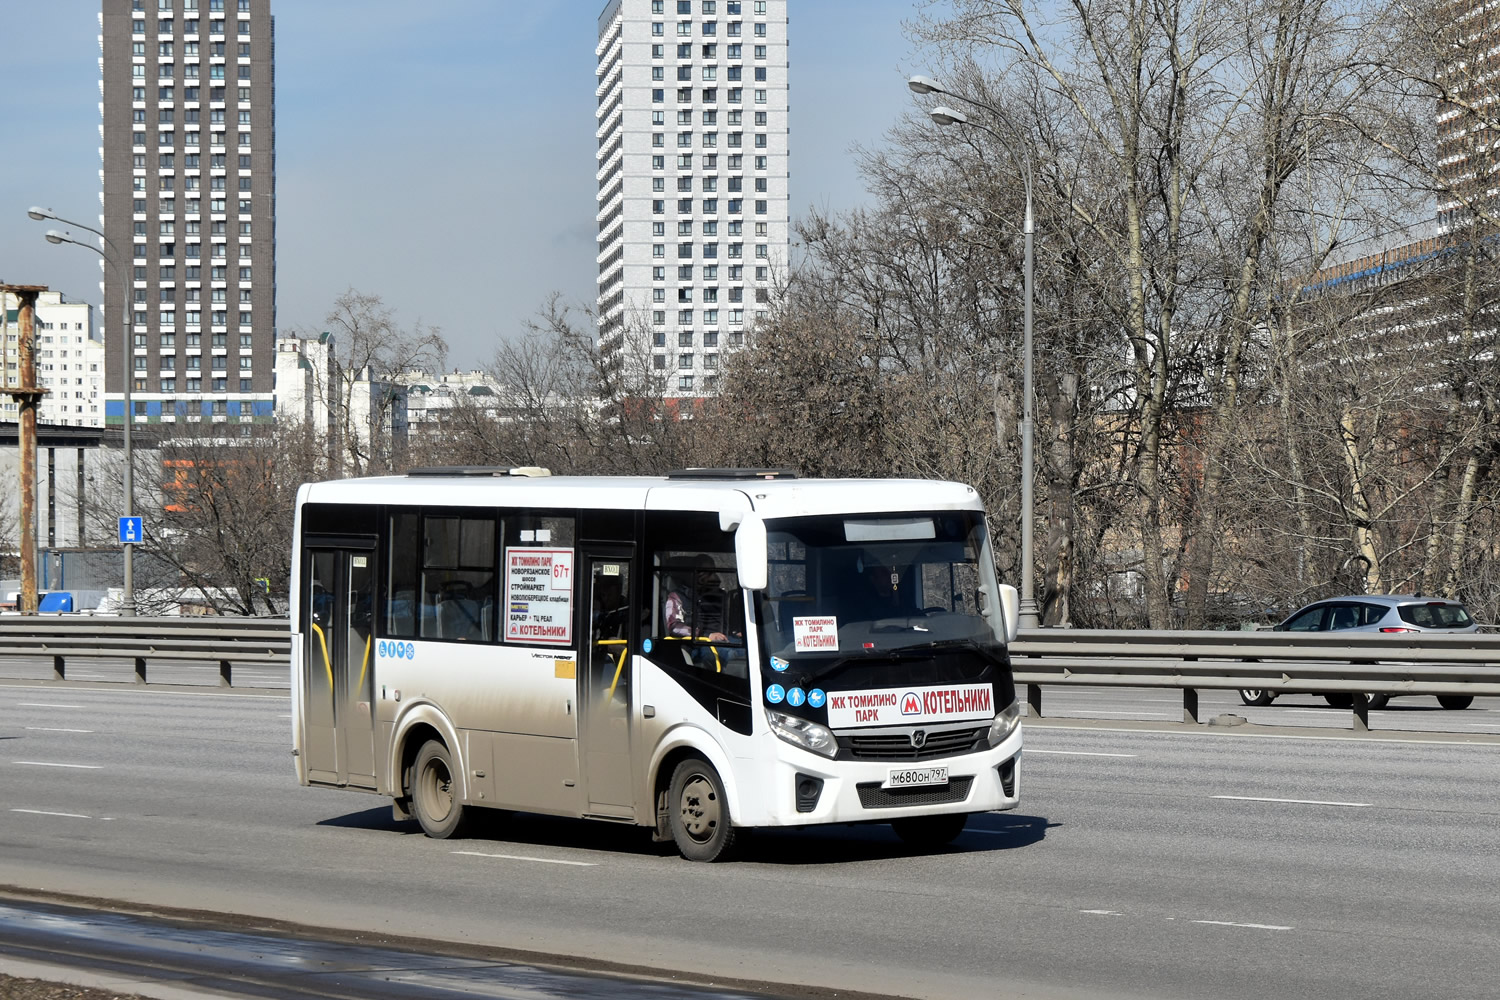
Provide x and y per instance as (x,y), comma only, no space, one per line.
(365,663)
(327,664)
(619,665)
(718,664)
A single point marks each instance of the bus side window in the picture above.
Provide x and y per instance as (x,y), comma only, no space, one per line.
(402,567)
(697,614)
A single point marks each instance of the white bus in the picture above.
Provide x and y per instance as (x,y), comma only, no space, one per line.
(699,653)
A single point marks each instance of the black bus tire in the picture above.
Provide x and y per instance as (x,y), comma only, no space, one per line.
(434,792)
(699,812)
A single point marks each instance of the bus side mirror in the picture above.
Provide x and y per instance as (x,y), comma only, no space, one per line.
(750,552)
(1010,605)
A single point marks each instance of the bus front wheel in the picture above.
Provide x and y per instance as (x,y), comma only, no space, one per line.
(434,792)
(930,831)
(700,812)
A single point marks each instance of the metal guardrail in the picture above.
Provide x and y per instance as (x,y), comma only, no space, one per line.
(223,641)
(1317,663)
(1356,664)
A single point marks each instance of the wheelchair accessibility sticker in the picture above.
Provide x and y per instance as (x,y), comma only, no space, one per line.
(396,650)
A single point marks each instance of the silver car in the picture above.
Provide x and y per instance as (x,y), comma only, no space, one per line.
(1393,613)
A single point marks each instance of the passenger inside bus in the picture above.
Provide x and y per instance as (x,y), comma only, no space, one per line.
(704,616)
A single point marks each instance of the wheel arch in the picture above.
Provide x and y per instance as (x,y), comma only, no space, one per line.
(680,744)
(420,723)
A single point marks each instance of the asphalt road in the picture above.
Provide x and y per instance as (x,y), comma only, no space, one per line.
(1145,862)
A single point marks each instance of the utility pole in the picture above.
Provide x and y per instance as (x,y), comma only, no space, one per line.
(27,395)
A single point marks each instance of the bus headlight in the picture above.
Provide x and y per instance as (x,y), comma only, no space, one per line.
(1005,723)
(800,732)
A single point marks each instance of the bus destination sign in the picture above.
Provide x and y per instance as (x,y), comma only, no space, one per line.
(539,595)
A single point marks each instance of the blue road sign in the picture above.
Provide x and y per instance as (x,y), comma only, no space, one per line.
(130,530)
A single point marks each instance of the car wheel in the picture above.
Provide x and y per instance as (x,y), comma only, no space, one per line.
(1378,700)
(1340,700)
(434,795)
(700,812)
(928,832)
(1455,702)
(1257,696)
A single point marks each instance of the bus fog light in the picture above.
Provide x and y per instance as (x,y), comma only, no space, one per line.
(1005,723)
(802,733)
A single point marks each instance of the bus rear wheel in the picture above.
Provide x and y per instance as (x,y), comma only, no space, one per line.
(434,792)
(1455,702)
(699,813)
(930,831)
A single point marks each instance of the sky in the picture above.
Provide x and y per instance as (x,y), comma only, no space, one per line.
(439,154)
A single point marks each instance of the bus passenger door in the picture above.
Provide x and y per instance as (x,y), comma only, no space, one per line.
(608,685)
(338,623)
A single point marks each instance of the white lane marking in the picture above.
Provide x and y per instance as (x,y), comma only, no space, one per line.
(1065,724)
(1081,753)
(1103,913)
(49,729)
(522,857)
(43,763)
(43,812)
(38,704)
(1297,802)
(1254,927)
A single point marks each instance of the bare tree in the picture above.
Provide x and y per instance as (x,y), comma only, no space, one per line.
(370,349)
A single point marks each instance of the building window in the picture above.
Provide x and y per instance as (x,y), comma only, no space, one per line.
(685,361)
(685,383)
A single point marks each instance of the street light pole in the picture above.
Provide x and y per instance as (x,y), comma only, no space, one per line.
(1029,616)
(127,600)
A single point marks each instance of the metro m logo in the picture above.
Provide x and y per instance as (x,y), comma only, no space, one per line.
(911,704)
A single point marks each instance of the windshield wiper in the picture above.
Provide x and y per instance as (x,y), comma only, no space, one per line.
(987,650)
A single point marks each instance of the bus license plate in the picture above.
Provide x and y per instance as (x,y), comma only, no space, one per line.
(906,777)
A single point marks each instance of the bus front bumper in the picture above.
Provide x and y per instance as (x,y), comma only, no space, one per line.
(811,789)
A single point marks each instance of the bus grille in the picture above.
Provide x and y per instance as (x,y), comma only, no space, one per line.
(897,746)
(872,796)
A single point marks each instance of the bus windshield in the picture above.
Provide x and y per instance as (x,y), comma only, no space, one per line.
(881,588)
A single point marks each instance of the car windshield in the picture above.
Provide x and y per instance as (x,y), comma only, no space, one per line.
(1435,615)
(878,584)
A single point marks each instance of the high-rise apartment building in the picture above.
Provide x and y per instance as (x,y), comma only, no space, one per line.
(1468,154)
(187,109)
(692,157)
(69,361)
